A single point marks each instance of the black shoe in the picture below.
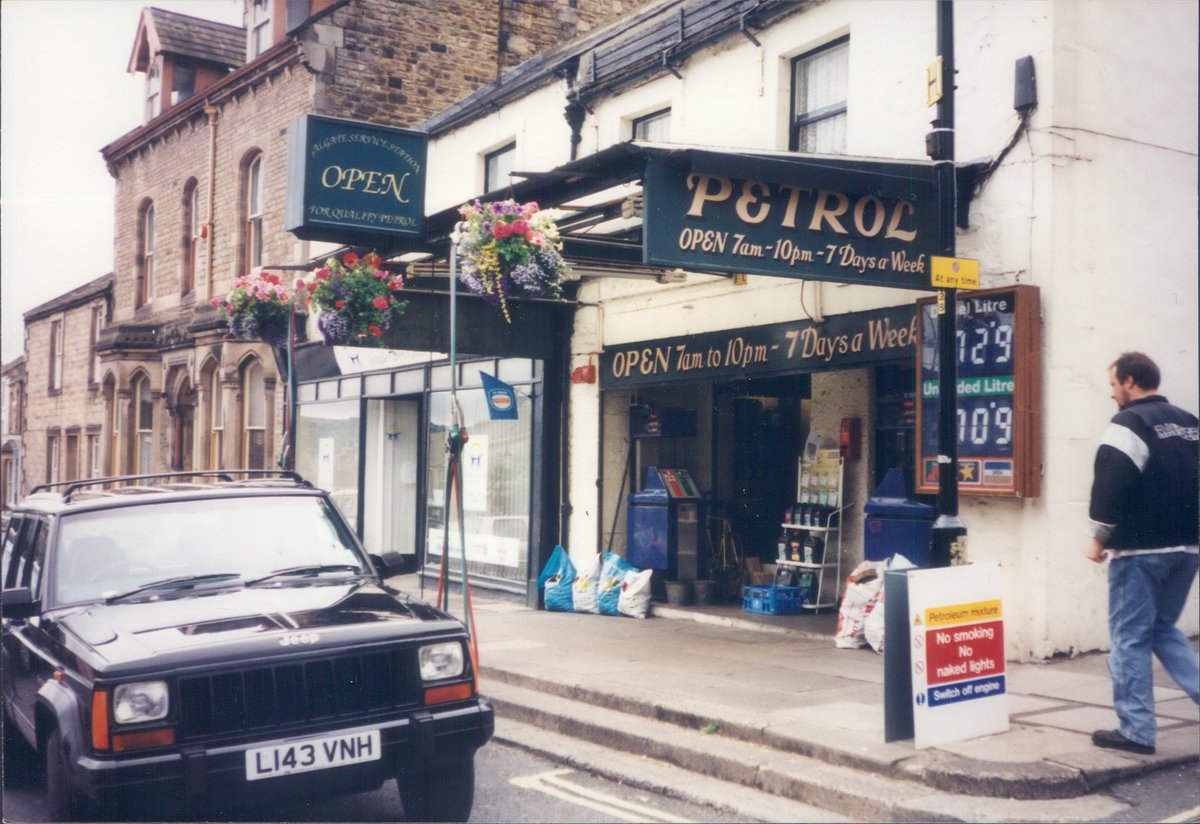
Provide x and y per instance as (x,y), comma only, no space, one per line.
(1114,740)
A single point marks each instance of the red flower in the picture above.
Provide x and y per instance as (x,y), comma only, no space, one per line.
(520,227)
(339,303)
(375,330)
(380,302)
(372,260)
(501,230)
(350,259)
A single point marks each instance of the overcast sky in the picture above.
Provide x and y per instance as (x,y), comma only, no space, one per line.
(65,94)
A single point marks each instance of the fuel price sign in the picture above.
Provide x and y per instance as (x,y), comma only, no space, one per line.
(997,417)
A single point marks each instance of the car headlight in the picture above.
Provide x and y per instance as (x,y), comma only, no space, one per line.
(141,701)
(440,661)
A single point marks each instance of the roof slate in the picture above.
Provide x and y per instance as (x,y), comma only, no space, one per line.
(80,294)
(199,39)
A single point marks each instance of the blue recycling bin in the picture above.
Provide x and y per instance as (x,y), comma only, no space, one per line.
(894,524)
(663,523)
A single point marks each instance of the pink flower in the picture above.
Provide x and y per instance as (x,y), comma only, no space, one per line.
(322,273)
(380,302)
(380,274)
(215,302)
(396,282)
(299,283)
(229,307)
(536,238)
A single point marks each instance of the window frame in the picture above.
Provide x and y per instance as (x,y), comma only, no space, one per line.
(259,30)
(192,235)
(798,121)
(639,123)
(489,168)
(53,457)
(97,326)
(143,436)
(254,406)
(57,342)
(252,202)
(145,290)
(154,75)
(216,420)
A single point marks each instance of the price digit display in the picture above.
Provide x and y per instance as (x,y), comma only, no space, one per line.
(996,353)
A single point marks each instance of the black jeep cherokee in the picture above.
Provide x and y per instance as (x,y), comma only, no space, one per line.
(221,640)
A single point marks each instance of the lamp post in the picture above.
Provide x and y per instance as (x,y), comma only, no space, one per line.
(949,532)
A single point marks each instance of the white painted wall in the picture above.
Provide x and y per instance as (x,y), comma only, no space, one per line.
(1095,204)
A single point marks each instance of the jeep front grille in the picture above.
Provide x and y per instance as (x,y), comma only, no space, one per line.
(298,692)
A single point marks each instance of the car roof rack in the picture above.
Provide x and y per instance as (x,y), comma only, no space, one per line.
(124,482)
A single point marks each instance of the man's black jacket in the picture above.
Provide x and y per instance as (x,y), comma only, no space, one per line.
(1145,493)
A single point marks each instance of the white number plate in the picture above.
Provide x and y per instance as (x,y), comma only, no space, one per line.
(312,754)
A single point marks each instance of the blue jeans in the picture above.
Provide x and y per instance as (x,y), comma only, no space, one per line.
(1146,594)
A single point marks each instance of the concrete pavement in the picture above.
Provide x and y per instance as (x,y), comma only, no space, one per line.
(766,712)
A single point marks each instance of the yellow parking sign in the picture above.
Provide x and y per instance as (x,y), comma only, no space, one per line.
(954,273)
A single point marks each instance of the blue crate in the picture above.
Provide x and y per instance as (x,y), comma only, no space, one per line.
(772,599)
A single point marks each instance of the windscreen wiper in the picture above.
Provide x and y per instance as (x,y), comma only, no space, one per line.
(179,582)
(307,570)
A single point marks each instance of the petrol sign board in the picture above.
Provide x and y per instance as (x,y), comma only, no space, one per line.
(815,218)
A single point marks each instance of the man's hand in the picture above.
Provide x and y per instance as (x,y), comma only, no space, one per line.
(1094,552)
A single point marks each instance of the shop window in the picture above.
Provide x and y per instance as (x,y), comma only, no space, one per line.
(253,208)
(496,464)
(183,83)
(497,166)
(191,238)
(145,267)
(327,451)
(56,355)
(820,79)
(143,410)
(260,27)
(654,127)
(153,90)
(254,416)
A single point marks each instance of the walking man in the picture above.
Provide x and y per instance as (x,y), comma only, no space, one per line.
(1145,515)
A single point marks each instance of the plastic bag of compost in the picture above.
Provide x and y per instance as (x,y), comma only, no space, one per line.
(634,600)
(558,579)
(587,586)
(612,575)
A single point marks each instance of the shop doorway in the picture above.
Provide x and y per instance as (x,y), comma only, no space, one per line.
(761,430)
(391,470)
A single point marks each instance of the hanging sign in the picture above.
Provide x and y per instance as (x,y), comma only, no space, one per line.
(956,636)
(352,182)
(998,415)
(848,221)
(501,398)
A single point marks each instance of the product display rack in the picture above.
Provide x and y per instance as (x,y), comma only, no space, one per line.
(827,532)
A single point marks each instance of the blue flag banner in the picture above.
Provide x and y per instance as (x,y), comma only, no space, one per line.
(501,398)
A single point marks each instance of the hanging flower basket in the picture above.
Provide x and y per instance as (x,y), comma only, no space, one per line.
(257,308)
(510,249)
(356,299)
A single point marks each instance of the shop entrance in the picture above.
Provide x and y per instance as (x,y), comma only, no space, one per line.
(761,427)
(391,492)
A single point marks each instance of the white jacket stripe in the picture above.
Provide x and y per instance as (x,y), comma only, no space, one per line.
(1125,440)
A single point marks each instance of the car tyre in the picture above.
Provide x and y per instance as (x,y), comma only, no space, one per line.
(440,792)
(65,803)
(18,756)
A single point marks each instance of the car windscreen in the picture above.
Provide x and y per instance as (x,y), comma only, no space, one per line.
(226,540)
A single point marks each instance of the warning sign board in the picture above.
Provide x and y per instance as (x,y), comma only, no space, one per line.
(957,652)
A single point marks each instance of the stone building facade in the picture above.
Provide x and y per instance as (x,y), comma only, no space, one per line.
(55,411)
(200,191)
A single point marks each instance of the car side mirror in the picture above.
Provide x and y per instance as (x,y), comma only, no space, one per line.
(18,603)
(389,564)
